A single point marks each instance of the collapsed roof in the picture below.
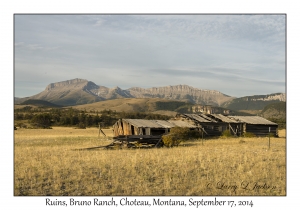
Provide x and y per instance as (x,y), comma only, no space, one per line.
(215,118)
(158,123)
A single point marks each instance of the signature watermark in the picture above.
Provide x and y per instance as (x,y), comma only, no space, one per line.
(244,185)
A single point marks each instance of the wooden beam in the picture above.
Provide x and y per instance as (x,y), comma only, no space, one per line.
(232,129)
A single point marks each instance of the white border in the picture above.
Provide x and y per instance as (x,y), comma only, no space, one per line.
(8,8)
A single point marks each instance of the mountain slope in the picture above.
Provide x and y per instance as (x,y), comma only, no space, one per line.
(39,103)
(152,105)
(182,92)
(70,92)
(133,105)
(257,102)
(274,111)
(81,91)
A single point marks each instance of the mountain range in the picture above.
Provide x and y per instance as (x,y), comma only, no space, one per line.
(81,91)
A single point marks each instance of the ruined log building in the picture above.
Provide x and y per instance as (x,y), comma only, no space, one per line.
(209,124)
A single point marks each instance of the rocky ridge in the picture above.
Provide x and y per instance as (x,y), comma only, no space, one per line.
(81,91)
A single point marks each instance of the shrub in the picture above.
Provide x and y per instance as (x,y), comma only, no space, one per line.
(21,125)
(178,135)
(271,135)
(242,141)
(41,120)
(171,140)
(249,135)
(81,125)
(181,133)
(226,134)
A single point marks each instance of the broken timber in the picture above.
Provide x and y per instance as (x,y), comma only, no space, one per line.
(137,141)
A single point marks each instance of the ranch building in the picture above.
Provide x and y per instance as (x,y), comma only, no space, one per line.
(147,127)
(215,124)
(209,124)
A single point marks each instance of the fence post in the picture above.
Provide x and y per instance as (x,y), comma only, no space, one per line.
(269,136)
(202,137)
(99,131)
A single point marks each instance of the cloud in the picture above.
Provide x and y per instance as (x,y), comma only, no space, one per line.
(99,22)
(113,50)
(33,47)
(217,74)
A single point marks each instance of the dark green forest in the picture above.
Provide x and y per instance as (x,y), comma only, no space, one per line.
(41,118)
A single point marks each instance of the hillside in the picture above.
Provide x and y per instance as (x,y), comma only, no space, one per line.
(274,111)
(257,102)
(39,103)
(18,100)
(81,91)
(70,92)
(154,105)
(182,92)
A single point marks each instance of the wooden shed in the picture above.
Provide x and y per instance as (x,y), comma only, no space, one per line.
(257,125)
(215,124)
(147,127)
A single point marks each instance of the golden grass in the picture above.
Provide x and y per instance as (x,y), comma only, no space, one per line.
(47,162)
(282,133)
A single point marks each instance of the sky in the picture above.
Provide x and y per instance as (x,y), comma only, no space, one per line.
(238,55)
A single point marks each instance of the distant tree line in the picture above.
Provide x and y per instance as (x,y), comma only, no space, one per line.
(281,122)
(73,117)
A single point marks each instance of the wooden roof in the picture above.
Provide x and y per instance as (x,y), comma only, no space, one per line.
(224,118)
(143,123)
(212,118)
(180,123)
(255,120)
(198,118)
(158,123)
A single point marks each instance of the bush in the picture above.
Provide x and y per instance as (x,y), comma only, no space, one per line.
(178,135)
(21,125)
(226,134)
(81,125)
(271,135)
(181,133)
(249,135)
(171,140)
(41,120)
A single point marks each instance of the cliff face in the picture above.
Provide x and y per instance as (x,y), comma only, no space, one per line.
(70,92)
(182,92)
(257,102)
(271,97)
(80,83)
(81,91)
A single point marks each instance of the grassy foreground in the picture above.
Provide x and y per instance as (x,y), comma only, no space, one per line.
(48,162)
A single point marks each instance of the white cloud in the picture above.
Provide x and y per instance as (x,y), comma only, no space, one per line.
(238,47)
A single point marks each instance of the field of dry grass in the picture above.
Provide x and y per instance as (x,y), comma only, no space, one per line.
(48,162)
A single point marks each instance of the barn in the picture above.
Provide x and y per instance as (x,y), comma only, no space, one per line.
(215,124)
(257,125)
(147,127)
(212,124)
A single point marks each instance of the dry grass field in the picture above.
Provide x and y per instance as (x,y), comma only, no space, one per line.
(48,162)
